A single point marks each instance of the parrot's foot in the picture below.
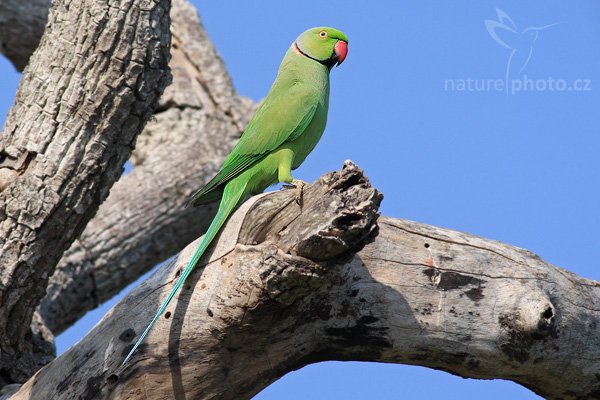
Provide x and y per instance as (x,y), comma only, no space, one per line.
(298,185)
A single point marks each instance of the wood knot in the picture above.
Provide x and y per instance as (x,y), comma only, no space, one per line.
(338,213)
(348,209)
(534,322)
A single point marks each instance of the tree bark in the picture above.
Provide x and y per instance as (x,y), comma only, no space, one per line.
(87,92)
(287,286)
(144,221)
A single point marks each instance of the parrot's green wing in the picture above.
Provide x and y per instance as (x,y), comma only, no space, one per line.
(282,117)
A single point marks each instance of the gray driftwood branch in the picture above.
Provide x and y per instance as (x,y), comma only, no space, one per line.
(286,286)
(85,95)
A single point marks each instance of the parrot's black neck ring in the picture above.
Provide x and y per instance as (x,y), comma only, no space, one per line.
(329,63)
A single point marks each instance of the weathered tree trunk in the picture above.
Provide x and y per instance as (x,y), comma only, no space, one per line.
(196,124)
(143,221)
(87,92)
(283,286)
(287,286)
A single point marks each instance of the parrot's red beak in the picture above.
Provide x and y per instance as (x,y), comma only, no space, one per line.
(341,50)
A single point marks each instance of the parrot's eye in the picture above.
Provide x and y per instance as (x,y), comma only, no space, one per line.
(323,34)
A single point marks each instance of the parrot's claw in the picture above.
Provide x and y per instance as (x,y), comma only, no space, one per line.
(298,185)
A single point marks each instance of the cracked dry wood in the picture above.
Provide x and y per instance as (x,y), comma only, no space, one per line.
(87,92)
(284,288)
(338,214)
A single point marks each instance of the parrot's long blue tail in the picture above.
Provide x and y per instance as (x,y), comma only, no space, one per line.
(233,193)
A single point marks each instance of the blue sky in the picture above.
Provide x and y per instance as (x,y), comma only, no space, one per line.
(417,105)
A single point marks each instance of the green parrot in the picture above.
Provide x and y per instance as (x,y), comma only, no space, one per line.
(283,131)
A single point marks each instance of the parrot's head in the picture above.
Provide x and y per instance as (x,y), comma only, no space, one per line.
(327,46)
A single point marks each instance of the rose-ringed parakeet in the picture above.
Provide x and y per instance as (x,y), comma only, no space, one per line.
(283,131)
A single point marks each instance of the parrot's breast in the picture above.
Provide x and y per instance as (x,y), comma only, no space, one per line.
(307,141)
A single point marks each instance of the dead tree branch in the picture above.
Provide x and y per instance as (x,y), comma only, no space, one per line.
(285,287)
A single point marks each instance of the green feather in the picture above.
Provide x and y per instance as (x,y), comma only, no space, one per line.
(266,132)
